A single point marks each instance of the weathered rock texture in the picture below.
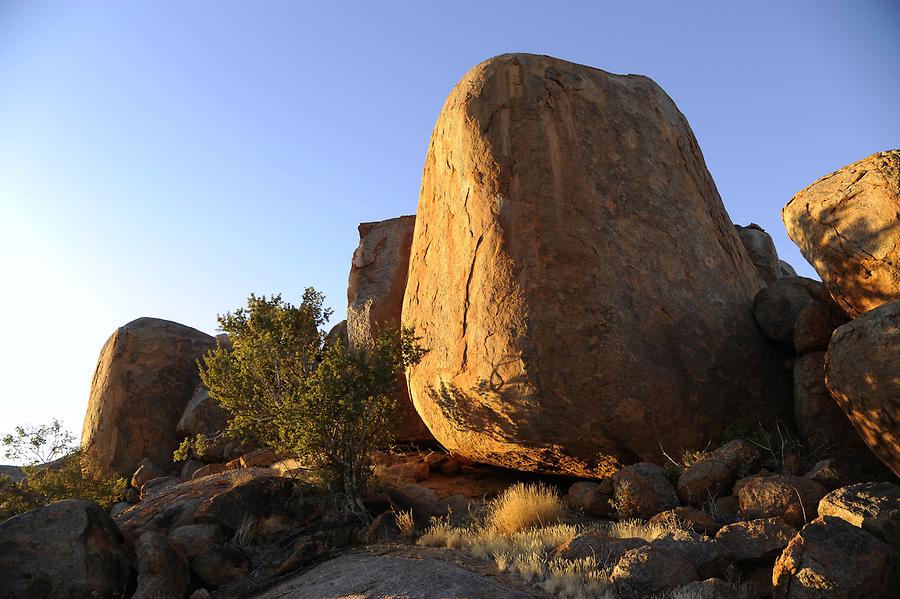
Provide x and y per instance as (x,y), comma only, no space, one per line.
(761,248)
(862,371)
(69,549)
(847,225)
(375,301)
(145,376)
(583,294)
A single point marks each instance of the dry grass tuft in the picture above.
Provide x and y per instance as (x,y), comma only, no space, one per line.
(405,522)
(522,506)
(243,536)
(638,529)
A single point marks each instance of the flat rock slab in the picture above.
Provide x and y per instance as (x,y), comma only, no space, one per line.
(363,576)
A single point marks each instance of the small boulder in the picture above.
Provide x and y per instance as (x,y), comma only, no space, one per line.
(755,540)
(777,307)
(761,248)
(834,473)
(190,467)
(220,564)
(846,226)
(194,539)
(814,326)
(259,458)
(68,550)
(303,553)
(146,472)
(832,558)
(727,509)
(207,470)
(786,269)
(648,570)
(715,474)
(794,498)
(703,553)
(641,491)
(861,373)
(874,507)
(162,569)
(591,498)
(204,415)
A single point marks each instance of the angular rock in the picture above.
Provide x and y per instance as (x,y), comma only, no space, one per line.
(874,507)
(641,491)
(793,498)
(777,307)
(338,334)
(591,498)
(606,550)
(814,326)
(145,376)
(375,300)
(550,266)
(162,569)
(847,227)
(832,558)
(68,550)
(208,470)
(704,554)
(727,509)
(761,248)
(821,423)
(714,474)
(304,553)
(690,518)
(861,372)
(755,540)
(194,539)
(220,564)
(647,570)
(146,472)
(258,458)
(361,575)
(190,467)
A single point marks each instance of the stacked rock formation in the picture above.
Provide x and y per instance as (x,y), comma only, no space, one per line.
(375,298)
(569,240)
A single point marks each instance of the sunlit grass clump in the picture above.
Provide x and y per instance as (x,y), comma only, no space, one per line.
(521,507)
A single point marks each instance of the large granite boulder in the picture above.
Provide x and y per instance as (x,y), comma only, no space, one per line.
(145,376)
(375,299)
(847,226)
(874,507)
(69,549)
(582,293)
(778,307)
(861,371)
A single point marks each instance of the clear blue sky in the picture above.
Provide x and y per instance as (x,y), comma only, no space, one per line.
(166,158)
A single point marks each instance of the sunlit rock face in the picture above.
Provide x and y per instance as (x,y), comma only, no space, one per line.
(583,294)
(145,376)
(375,298)
(847,225)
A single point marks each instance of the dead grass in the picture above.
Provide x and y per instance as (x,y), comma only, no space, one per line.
(522,506)
(405,522)
(638,529)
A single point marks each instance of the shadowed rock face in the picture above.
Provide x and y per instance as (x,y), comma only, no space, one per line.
(861,371)
(847,225)
(145,376)
(375,300)
(583,294)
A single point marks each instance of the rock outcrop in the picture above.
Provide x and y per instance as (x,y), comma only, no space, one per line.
(145,376)
(861,371)
(68,550)
(582,293)
(847,227)
(375,300)
(762,251)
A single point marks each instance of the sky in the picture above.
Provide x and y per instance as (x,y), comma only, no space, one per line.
(168,157)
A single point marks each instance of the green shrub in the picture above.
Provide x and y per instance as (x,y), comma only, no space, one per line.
(71,477)
(285,388)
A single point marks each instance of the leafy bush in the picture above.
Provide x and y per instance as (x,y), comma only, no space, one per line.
(71,477)
(322,403)
(30,444)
